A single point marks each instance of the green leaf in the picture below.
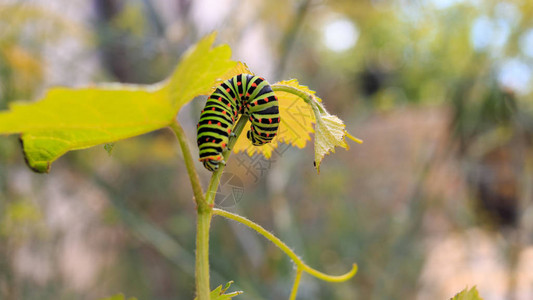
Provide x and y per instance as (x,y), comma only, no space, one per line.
(201,69)
(118,297)
(219,293)
(109,147)
(467,294)
(70,119)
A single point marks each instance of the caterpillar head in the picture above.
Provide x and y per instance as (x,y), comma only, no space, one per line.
(212,162)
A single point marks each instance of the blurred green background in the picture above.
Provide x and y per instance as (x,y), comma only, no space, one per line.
(438,198)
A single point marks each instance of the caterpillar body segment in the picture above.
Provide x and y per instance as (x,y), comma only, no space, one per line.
(243,94)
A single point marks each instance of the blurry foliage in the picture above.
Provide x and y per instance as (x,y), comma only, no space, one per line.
(25,31)
(131,20)
(21,72)
(20,221)
(130,38)
(118,297)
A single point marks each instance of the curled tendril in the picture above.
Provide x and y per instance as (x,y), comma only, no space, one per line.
(300,264)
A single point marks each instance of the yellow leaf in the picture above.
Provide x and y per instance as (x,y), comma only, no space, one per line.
(330,133)
(296,123)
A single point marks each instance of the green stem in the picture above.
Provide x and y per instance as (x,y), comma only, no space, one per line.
(203,217)
(296,284)
(307,97)
(189,163)
(202,254)
(204,205)
(215,179)
(300,264)
(278,87)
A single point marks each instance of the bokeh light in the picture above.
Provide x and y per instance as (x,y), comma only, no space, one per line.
(340,34)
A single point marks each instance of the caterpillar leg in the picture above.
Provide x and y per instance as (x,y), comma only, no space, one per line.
(255,137)
(212,163)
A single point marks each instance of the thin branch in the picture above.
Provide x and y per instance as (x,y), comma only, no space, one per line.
(215,179)
(189,163)
(298,261)
(353,138)
(203,218)
(278,87)
(296,284)
(203,224)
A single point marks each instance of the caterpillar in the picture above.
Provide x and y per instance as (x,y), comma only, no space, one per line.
(243,94)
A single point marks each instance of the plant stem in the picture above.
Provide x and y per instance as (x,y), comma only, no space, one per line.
(215,179)
(298,261)
(308,98)
(296,284)
(189,163)
(202,254)
(204,204)
(203,217)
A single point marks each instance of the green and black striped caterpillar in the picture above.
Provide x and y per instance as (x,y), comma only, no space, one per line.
(243,94)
